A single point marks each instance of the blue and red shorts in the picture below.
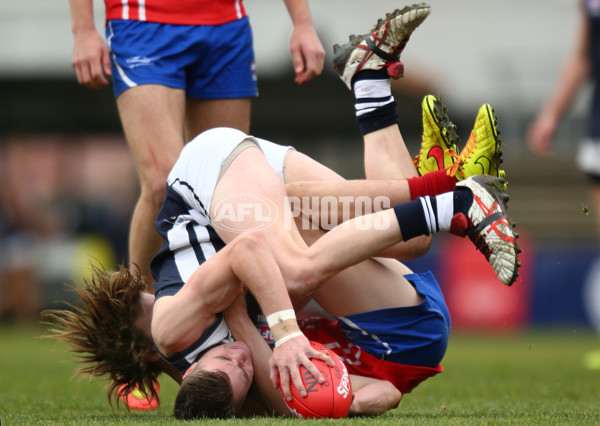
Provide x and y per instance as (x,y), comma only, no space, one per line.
(402,345)
(207,61)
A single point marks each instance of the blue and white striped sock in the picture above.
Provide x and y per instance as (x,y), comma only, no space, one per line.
(429,215)
(375,106)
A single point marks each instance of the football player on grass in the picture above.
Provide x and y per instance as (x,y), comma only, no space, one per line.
(207,259)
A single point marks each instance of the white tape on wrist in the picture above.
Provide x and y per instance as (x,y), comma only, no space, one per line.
(288,337)
(280,316)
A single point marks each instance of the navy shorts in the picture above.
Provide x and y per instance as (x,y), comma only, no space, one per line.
(207,61)
(414,335)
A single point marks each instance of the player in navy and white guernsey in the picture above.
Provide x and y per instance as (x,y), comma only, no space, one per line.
(189,238)
(398,319)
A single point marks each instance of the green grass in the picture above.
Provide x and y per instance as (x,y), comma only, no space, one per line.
(530,378)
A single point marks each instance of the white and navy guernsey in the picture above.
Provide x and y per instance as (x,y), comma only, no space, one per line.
(188,241)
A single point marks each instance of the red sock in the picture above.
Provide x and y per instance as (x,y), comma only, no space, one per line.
(432,183)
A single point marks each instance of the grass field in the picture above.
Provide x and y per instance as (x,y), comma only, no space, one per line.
(531,378)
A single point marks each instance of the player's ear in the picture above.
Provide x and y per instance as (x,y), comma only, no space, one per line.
(153,356)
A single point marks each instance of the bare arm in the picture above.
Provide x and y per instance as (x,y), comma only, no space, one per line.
(373,396)
(306,49)
(91,60)
(179,320)
(574,74)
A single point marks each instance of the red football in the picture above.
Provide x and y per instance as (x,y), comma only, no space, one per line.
(330,399)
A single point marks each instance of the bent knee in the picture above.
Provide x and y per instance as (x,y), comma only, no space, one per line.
(154,189)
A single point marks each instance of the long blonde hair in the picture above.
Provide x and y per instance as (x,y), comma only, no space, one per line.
(102,334)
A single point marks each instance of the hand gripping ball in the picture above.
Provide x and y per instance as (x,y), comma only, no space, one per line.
(332,398)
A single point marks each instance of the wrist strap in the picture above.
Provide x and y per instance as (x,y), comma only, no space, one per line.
(288,337)
(280,316)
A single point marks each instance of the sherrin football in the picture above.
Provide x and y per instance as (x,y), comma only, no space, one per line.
(332,398)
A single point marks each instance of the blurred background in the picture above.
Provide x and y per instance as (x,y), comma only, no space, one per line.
(68,184)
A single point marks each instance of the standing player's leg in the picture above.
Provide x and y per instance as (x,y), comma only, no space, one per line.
(152,119)
(151,104)
(224,98)
(204,114)
(164,105)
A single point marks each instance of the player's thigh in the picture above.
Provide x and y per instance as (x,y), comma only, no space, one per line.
(368,286)
(152,118)
(299,167)
(204,114)
(251,196)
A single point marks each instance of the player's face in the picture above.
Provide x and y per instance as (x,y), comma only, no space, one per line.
(235,360)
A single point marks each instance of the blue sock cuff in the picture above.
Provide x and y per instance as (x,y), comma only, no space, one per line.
(382,117)
(411,219)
